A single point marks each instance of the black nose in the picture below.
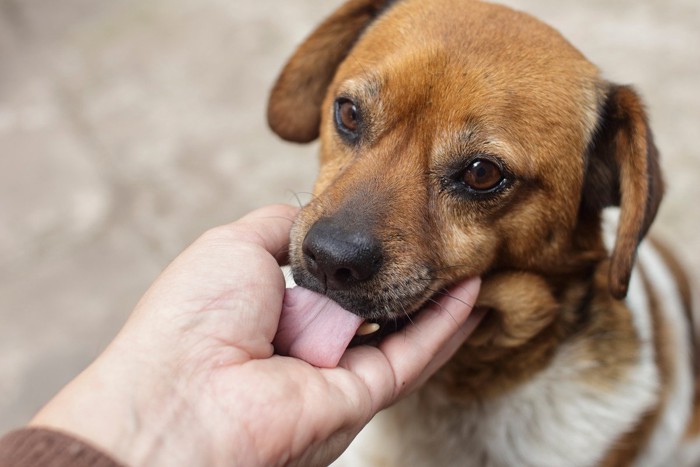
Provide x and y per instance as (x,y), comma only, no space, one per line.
(341,255)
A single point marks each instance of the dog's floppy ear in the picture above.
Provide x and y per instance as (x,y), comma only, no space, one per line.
(294,108)
(623,170)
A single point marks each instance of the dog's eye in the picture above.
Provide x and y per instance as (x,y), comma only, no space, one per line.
(347,117)
(483,175)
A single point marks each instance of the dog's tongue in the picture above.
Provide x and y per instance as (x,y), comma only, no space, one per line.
(314,328)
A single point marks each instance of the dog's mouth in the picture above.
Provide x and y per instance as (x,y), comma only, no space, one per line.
(318,330)
(372,332)
(346,296)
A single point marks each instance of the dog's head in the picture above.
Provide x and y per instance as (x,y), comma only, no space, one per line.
(457,138)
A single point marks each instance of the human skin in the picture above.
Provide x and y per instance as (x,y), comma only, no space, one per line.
(192,378)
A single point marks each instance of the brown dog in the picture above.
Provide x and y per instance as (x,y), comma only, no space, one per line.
(463,139)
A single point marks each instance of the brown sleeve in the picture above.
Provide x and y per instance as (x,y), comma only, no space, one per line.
(39,447)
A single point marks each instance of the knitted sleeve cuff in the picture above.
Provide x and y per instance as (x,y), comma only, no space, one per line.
(47,448)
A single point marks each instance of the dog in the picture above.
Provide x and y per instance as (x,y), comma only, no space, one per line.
(461,139)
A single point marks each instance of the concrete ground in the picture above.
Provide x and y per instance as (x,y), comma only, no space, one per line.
(129,127)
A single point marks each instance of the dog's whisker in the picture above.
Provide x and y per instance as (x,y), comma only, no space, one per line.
(450,267)
(444,308)
(282,254)
(447,294)
(408,317)
(296,196)
(309,193)
(290,219)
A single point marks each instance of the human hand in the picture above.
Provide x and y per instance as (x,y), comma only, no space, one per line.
(192,378)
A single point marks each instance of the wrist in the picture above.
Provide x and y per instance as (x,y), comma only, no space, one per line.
(128,413)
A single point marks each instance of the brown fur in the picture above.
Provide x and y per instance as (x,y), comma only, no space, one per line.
(693,430)
(434,89)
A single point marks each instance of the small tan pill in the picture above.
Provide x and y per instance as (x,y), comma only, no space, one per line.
(367,328)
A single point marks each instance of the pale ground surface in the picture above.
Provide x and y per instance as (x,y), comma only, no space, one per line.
(129,127)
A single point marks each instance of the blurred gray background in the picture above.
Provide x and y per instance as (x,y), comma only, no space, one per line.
(128,127)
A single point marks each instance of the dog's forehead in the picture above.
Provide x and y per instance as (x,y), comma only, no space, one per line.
(449,38)
(468,26)
(456,62)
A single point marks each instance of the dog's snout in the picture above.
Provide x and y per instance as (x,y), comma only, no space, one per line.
(341,255)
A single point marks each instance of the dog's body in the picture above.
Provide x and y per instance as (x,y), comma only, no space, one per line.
(458,139)
(567,414)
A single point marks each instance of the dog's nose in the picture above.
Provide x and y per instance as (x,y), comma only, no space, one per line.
(341,255)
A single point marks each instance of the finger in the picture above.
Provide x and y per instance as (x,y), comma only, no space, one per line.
(267,227)
(230,268)
(407,358)
(436,332)
(238,251)
(449,349)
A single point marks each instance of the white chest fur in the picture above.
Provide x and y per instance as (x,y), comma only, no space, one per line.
(554,420)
